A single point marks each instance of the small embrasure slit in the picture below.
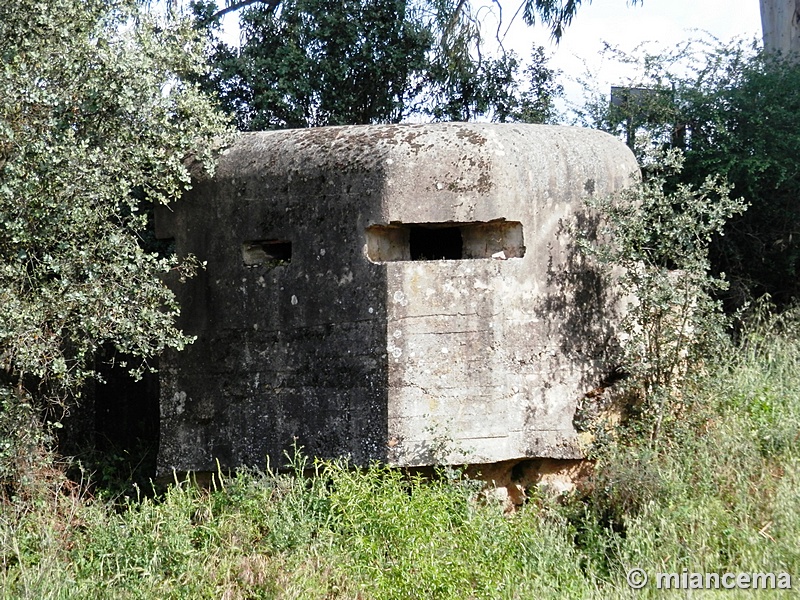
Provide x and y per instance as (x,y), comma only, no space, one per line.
(445,241)
(270,253)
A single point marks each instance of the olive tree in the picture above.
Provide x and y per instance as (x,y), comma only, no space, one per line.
(97,123)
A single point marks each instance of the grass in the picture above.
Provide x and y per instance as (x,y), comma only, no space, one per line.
(718,493)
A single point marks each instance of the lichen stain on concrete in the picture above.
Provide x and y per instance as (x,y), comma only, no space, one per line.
(472,136)
(369,358)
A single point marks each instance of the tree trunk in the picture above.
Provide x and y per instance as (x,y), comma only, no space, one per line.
(780,23)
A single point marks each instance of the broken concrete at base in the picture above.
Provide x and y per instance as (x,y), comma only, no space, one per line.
(410,294)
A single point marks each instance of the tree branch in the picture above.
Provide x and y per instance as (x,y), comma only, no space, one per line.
(234,6)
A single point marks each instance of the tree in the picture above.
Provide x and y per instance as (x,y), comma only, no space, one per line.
(780,19)
(745,128)
(734,112)
(780,24)
(556,14)
(537,101)
(318,62)
(97,123)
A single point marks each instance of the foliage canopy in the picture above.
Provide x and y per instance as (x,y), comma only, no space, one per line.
(314,62)
(733,110)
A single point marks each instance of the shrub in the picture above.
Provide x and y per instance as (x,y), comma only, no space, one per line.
(656,242)
(95,126)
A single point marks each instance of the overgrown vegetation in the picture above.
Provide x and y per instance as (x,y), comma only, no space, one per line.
(703,480)
(700,474)
(96,123)
(719,494)
(655,241)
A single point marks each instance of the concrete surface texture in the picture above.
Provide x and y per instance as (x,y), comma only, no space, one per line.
(405,293)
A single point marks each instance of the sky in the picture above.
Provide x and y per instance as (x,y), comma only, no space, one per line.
(664,22)
(661,22)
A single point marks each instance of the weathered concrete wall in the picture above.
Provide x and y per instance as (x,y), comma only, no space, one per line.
(402,293)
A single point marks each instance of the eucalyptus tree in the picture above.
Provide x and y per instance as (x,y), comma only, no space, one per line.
(780,19)
(305,63)
(780,24)
(97,121)
(556,14)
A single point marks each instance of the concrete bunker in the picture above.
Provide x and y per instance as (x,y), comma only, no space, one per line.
(404,293)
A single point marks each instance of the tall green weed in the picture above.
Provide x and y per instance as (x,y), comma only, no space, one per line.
(719,494)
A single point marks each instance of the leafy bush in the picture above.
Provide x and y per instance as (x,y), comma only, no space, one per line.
(95,126)
(656,242)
